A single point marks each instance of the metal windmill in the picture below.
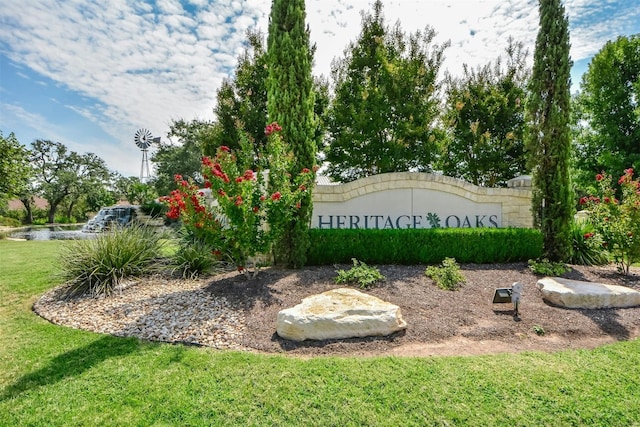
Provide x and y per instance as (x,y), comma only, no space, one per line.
(143,140)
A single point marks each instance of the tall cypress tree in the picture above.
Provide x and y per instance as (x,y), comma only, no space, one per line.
(290,102)
(548,143)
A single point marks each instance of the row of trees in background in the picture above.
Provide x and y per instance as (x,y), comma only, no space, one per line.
(382,111)
(72,184)
(385,110)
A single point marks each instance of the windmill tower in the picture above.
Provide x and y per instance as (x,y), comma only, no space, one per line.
(143,140)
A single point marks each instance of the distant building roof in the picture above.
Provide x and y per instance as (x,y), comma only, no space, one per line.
(39,203)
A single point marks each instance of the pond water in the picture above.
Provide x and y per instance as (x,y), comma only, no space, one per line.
(55,232)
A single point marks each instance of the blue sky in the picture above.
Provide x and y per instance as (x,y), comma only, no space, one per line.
(90,73)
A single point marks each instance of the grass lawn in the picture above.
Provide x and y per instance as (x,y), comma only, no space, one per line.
(56,376)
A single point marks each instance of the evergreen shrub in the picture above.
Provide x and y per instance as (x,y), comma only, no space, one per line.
(424,246)
(544,267)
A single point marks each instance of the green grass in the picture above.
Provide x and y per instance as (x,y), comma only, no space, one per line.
(56,376)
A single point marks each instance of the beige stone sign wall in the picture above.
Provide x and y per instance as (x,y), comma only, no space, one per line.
(420,200)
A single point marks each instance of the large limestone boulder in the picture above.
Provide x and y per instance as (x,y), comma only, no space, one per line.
(578,294)
(339,313)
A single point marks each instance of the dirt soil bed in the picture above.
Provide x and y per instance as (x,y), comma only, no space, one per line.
(462,322)
(227,311)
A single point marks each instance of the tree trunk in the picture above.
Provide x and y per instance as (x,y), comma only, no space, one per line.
(28,219)
(70,210)
(51,216)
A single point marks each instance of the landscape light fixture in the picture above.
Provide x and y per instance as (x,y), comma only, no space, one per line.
(509,295)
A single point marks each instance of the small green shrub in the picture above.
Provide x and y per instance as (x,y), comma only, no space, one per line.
(9,222)
(588,246)
(360,274)
(97,266)
(17,214)
(544,267)
(447,276)
(193,259)
(63,219)
(539,330)
(154,209)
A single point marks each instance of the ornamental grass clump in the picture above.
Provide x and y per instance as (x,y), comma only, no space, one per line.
(447,276)
(617,221)
(360,274)
(193,259)
(97,266)
(587,245)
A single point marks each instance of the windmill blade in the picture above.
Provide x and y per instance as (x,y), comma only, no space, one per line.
(143,138)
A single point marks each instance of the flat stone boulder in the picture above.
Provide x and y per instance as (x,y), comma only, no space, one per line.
(578,294)
(339,313)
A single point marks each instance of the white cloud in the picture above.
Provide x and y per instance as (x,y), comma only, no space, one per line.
(148,68)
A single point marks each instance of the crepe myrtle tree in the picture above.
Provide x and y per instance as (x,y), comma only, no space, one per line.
(607,117)
(249,215)
(616,221)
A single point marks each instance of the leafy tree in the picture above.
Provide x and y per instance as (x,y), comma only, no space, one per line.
(608,108)
(183,157)
(77,207)
(485,119)
(241,105)
(240,112)
(98,198)
(14,168)
(142,193)
(548,141)
(123,187)
(92,178)
(134,191)
(385,112)
(226,128)
(27,194)
(290,103)
(60,173)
